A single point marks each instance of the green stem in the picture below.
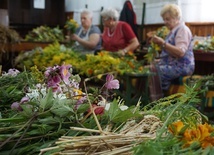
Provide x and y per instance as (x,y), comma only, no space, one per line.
(7,140)
(163,128)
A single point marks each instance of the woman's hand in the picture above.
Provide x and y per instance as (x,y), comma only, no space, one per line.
(74,37)
(150,35)
(122,52)
(158,40)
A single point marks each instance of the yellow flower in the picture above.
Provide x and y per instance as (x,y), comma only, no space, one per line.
(156,47)
(71,25)
(56,60)
(78,93)
(201,134)
(176,127)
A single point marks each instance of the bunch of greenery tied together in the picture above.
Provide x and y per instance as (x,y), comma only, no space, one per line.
(48,116)
(8,35)
(45,34)
(37,122)
(88,65)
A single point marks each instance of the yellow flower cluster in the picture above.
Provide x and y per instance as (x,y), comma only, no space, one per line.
(161,32)
(99,64)
(154,49)
(87,65)
(202,134)
(71,25)
(53,54)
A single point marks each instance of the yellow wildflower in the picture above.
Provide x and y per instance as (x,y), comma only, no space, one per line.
(176,127)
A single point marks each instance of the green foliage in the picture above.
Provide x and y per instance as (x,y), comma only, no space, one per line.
(40,122)
(116,115)
(45,34)
(13,88)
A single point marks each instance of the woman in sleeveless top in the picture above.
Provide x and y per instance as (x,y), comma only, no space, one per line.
(87,37)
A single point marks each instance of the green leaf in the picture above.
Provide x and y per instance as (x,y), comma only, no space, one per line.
(27,110)
(47,102)
(114,110)
(12,120)
(61,108)
(49,120)
(83,108)
(147,150)
(123,116)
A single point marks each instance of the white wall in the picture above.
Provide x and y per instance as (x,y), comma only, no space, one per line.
(192,10)
(197,10)
(94,5)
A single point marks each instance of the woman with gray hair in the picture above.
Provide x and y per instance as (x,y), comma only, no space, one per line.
(176,57)
(117,36)
(87,37)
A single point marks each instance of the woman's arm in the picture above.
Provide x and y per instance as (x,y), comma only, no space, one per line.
(171,49)
(91,43)
(130,37)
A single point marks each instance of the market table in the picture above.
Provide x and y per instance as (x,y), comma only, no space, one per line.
(134,87)
(9,51)
(204,62)
(22,46)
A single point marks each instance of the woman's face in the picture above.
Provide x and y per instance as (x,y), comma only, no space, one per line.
(169,21)
(106,21)
(86,21)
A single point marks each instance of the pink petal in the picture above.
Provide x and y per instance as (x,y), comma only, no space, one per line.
(109,77)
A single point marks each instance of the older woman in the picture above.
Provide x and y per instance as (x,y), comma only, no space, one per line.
(176,58)
(117,35)
(87,36)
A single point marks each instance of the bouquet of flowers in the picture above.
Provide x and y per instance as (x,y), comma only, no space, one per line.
(71,25)
(154,48)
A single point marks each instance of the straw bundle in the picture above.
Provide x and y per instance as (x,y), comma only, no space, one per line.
(108,143)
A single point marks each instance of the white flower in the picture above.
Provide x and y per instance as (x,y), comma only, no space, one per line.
(123,107)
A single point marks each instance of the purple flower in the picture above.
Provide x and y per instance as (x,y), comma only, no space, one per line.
(48,71)
(65,74)
(11,72)
(24,99)
(54,85)
(16,106)
(80,101)
(111,83)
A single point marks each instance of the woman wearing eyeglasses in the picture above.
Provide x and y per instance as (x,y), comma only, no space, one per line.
(117,36)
